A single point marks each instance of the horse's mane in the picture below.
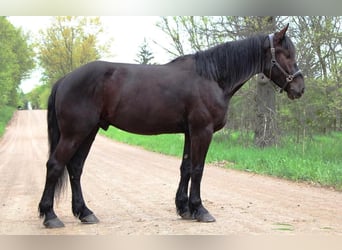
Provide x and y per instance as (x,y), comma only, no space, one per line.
(231,61)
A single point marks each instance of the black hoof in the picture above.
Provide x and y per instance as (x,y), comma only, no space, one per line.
(53,223)
(206,217)
(187,216)
(90,219)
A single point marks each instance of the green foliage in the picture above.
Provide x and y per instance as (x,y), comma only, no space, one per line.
(313,160)
(39,96)
(318,41)
(316,160)
(145,56)
(67,44)
(16,61)
(171,144)
(6,113)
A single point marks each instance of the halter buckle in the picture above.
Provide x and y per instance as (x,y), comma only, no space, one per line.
(289,78)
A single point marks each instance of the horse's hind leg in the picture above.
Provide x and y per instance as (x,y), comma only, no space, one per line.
(182,200)
(54,172)
(75,167)
(54,181)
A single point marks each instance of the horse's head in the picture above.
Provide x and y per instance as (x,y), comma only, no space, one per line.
(280,65)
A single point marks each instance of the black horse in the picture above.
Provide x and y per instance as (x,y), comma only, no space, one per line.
(189,95)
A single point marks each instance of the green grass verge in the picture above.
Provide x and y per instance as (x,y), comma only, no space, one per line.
(6,114)
(316,160)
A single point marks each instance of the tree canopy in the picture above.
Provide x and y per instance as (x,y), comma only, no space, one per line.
(145,56)
(16,62)
(69,43)
(64,46)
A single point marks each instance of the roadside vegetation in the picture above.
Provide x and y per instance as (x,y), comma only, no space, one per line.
(316,160)
(6,114)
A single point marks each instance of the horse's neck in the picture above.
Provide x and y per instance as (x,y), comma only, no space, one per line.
(231,64)
(248,62)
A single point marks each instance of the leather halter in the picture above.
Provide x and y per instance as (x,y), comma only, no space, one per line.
(289,77)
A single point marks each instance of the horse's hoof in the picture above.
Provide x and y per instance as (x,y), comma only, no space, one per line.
(206,217)
(53,223)
(90,219)
(187,216)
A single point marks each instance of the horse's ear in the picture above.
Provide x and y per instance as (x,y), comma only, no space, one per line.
(281,34)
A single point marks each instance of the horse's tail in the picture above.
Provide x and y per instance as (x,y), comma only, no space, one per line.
(54,135)
(53,128)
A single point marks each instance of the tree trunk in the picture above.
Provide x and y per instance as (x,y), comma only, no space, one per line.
(265,133)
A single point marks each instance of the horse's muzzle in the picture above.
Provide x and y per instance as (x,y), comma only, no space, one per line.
(293,93)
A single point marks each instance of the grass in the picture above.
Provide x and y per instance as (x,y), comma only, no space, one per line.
(283,227)
(6,114)
(317,160)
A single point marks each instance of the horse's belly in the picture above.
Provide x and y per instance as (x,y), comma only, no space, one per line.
(148,124)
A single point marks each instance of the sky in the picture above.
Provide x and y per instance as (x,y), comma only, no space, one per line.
(127,34)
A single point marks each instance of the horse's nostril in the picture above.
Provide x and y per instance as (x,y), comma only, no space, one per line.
(303,90)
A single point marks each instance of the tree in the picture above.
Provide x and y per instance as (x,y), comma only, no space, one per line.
(16,61)
(145,56)
(265,125)
(319,42)
(69,43)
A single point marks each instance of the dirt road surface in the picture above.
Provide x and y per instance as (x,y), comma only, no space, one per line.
(132,192)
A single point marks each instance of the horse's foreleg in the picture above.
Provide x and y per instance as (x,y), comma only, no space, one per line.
(182,200)
(200,141)
(75,168)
